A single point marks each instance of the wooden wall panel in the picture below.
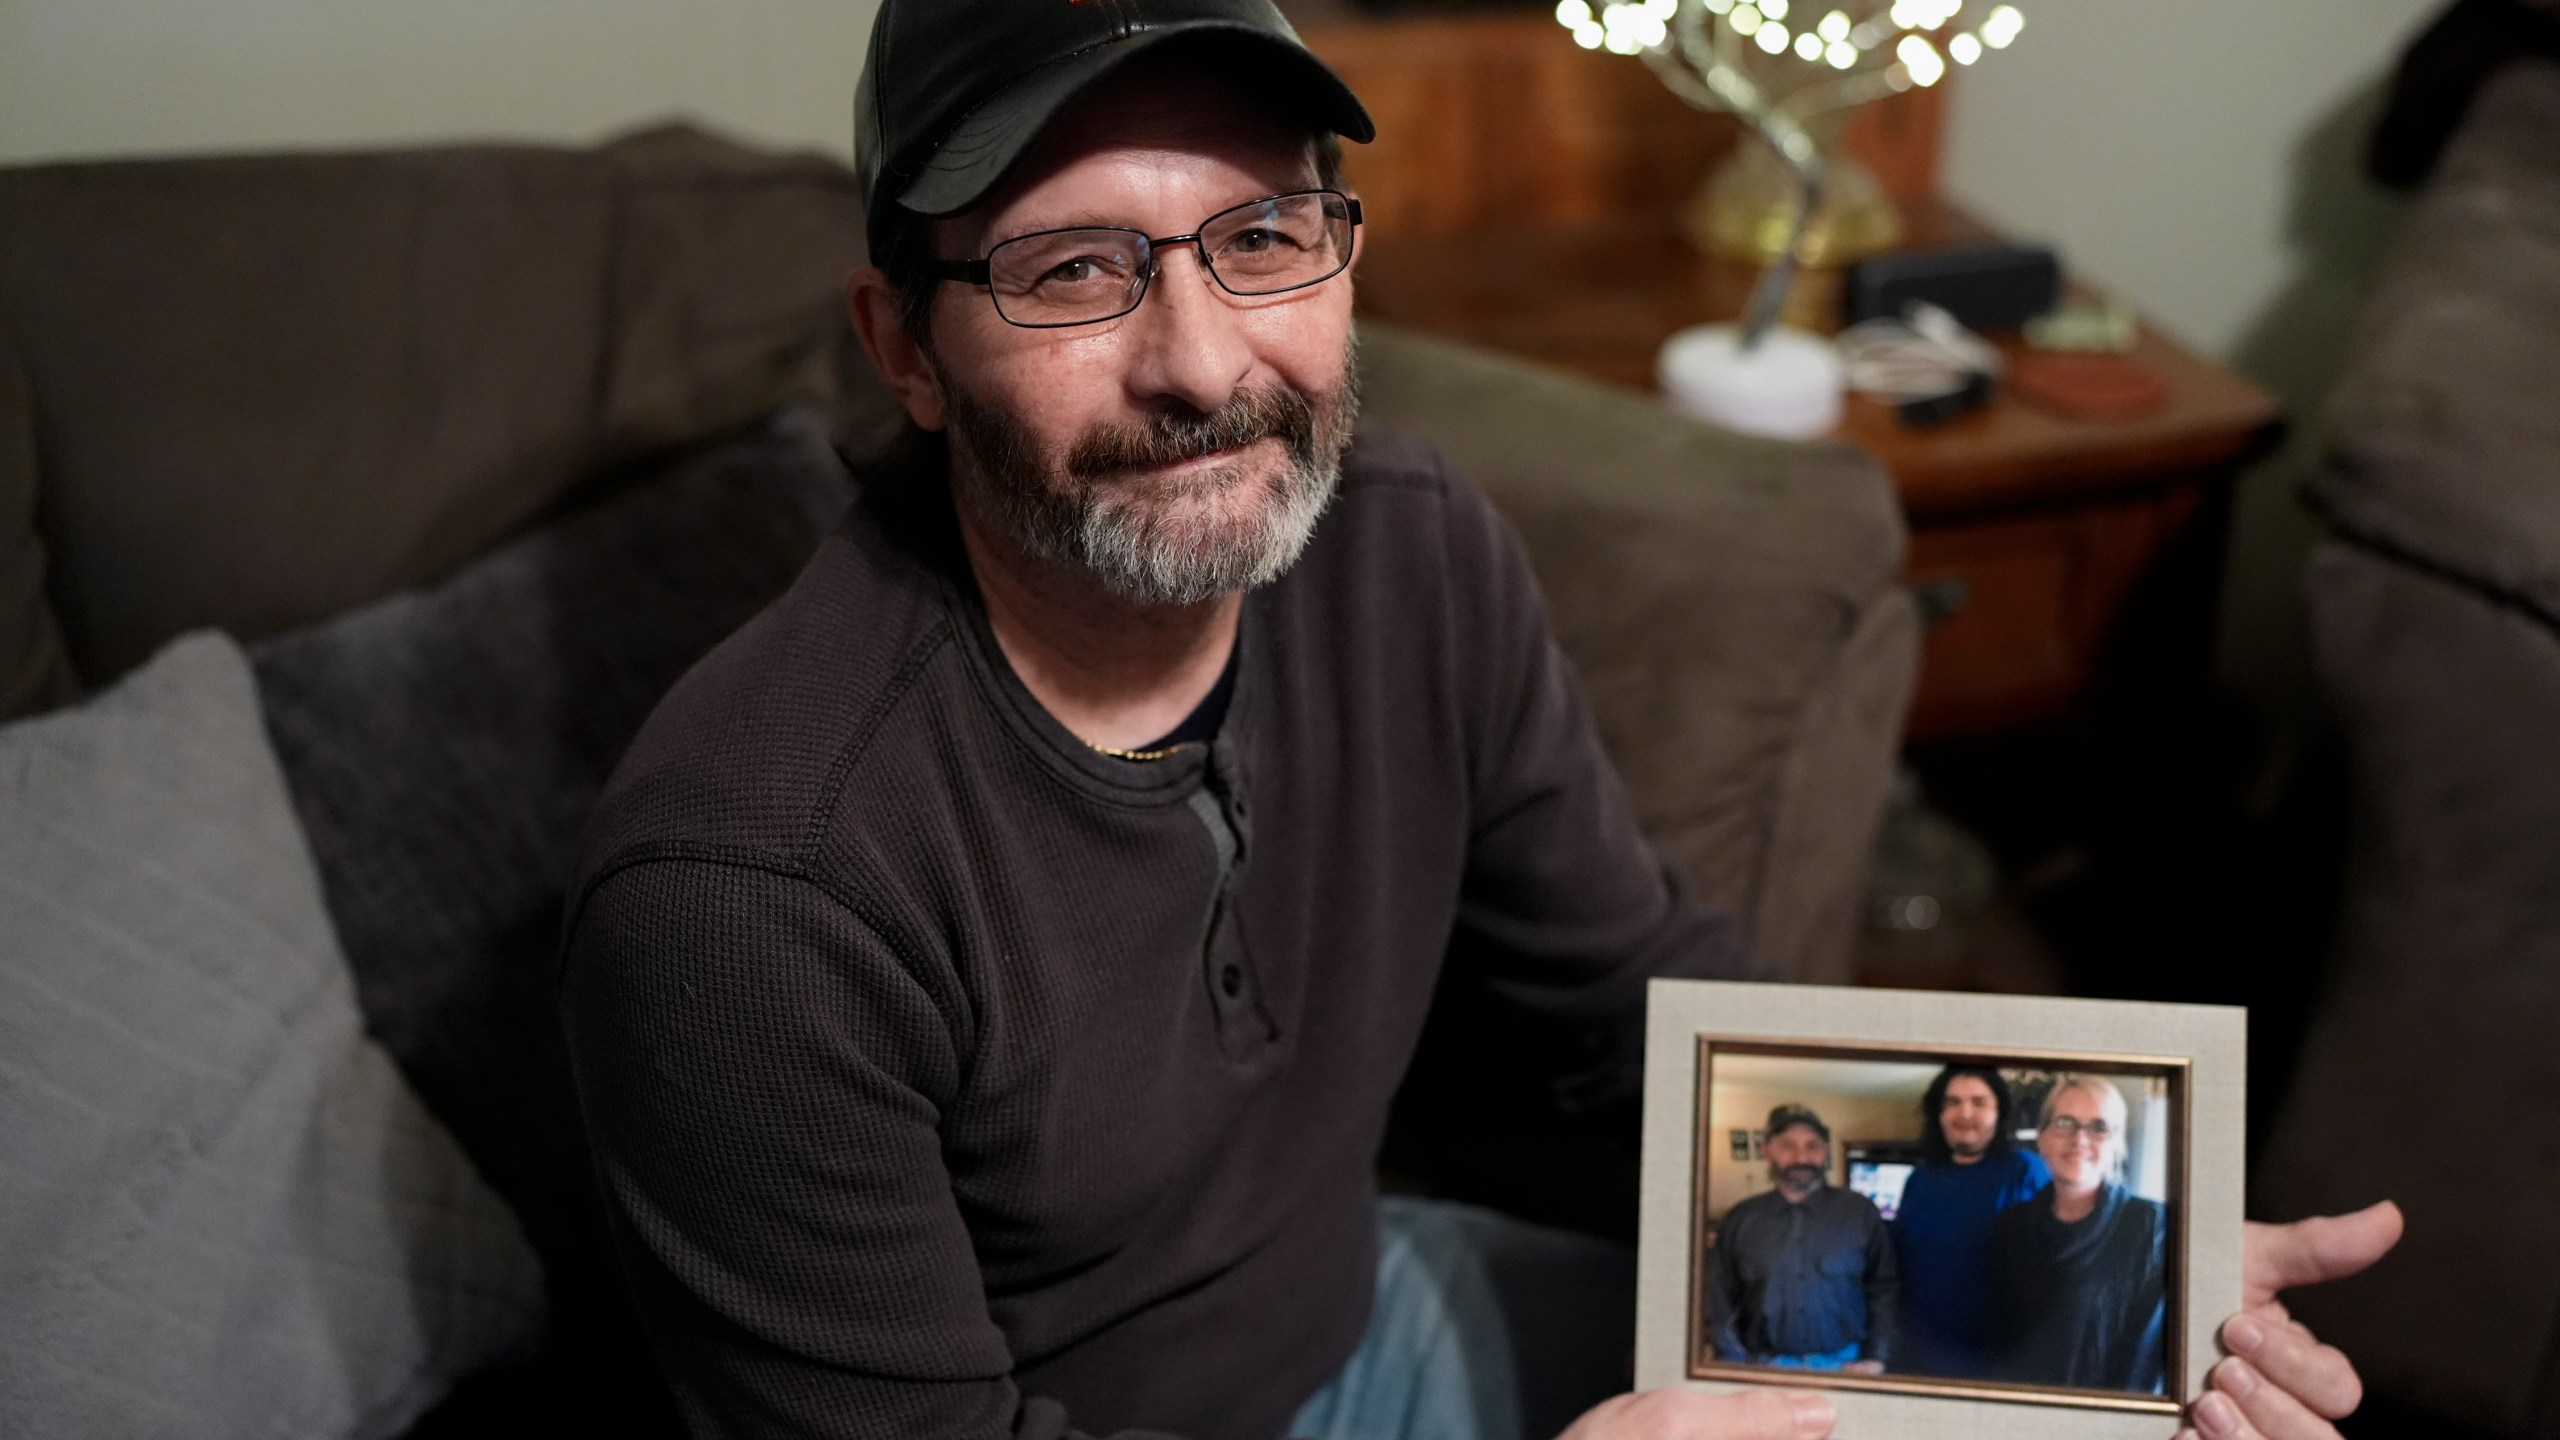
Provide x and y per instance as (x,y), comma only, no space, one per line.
(1487,119)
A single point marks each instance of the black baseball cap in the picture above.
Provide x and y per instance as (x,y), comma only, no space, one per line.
(1787,1117)
(953,91)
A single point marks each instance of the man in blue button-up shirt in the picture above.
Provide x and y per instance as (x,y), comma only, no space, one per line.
(1803,1274)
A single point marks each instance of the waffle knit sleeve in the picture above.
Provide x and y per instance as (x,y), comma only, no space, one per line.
(763,1079)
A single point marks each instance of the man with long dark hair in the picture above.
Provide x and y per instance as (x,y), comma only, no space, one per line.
(1971,1172)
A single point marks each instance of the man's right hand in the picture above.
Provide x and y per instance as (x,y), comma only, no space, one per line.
(1686,1415)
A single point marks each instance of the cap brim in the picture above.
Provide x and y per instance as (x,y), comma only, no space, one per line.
(988,140)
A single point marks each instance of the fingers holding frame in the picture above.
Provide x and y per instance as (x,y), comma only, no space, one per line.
(2244,1405)
(1686,1415)
(2283,1352)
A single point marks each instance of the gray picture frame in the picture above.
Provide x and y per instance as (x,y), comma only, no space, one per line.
(2206,1046)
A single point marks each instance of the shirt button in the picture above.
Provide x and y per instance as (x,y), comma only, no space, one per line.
(1231,980)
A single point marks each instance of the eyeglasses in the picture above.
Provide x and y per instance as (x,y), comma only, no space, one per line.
(2069,1131)
(1054,278)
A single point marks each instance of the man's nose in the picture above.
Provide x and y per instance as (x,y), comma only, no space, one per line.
(1190,344)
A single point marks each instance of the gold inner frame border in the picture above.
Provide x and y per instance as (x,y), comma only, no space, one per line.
(2173,1068)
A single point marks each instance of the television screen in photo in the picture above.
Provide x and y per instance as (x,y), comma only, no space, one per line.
(1881,1181)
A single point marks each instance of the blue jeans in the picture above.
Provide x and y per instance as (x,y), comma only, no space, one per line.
(1485,1328)
(1832,1361)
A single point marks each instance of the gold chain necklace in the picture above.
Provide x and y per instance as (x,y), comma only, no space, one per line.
(1129,754)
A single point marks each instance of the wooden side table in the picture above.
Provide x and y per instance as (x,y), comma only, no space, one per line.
(2057,555)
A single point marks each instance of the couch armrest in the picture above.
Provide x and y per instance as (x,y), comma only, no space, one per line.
(1731,604)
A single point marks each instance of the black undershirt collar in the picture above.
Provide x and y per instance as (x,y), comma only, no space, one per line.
(1205,718)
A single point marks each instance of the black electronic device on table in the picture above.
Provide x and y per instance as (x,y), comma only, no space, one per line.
(1987,287)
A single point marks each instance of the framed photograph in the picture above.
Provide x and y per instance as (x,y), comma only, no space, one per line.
(1961,1215)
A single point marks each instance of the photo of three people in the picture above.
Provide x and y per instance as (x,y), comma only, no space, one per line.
(1973,1220)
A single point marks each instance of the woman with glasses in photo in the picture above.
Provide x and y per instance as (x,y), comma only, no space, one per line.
(2079,1273)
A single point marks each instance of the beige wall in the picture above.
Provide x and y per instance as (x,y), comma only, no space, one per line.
(116,77)
(2201,157)
(1862,1117)
(1874,1100)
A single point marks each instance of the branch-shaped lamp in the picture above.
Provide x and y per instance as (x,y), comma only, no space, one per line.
(1782,67)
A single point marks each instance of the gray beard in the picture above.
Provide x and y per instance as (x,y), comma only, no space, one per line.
(1131,544)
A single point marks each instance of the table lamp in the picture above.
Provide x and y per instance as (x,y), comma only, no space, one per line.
(1788,70)
(1804,64)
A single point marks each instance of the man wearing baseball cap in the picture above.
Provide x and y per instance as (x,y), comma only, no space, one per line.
(1803,1274)
(991,967)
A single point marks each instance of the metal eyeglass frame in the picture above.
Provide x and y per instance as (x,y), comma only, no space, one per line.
(981,272)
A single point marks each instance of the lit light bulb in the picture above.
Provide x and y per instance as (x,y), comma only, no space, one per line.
(1808,46)
(1772,37)
(1745,19)
(1588,35)
(1774,9)
(1573,14)
(1965,49)
(2002,26)
(1834,27)
(1920,58)
(1841,54)
(1625,25)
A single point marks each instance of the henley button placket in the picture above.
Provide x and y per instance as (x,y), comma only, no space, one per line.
(1243,1027)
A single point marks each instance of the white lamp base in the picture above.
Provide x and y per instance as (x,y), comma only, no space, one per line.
(1787,387)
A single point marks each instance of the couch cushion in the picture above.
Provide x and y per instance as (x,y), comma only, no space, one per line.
(268,389)
(34,672)
(223,1213)
(2445,427)
(2437,1015)
(444,749)
(1730,603)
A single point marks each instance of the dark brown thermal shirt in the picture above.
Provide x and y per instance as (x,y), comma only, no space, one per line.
(950,1078)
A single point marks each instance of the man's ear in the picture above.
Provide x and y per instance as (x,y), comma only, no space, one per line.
(880,319)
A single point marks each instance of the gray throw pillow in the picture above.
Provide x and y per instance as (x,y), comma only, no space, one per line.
(222,1212)
(444,747)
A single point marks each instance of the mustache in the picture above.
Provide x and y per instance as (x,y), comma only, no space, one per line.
(1170,439)
(1801,1172)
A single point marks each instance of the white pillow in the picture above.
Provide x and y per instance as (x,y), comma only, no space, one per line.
(222,1212)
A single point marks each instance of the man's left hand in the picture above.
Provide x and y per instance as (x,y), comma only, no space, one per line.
(1863,1367)
(2280,1382)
